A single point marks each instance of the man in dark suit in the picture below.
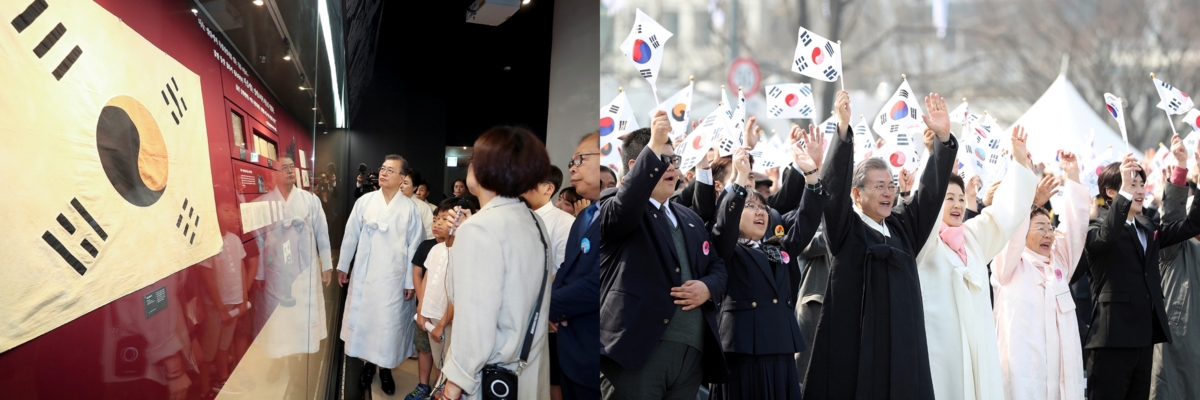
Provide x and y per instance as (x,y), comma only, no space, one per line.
(1122,254)
(660,280)
(574,305)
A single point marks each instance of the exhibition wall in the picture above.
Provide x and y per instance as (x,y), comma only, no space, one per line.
(146,145)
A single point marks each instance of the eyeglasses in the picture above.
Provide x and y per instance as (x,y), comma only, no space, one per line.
(755,207)
(884,187)
(578,160)
(1044,230)
(673,160)
(388,170)
(287,167)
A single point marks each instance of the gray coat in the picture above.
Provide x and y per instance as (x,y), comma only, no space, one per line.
(1177,364)
(815,262)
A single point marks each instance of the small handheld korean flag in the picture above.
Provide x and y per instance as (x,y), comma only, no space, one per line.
(767,156)
(1193,119)
(901,114)
(696,144)
(1173,100)
(644,46)
(738,119)
(864,143)
(961,114)
(790,100)
(678,108)
(817,57)
(724,95)
(616,118)
(1117,110)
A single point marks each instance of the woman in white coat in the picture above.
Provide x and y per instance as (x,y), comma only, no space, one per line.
(1035,313)
(952,265)
(500,262)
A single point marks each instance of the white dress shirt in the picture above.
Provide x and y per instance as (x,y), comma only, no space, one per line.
(670,214)
(558,223)
(1141,235)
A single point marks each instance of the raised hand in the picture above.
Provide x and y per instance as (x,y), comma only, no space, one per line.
(991,192)
(1046,189)
(1129,168)
(741,165)
(1069,163)
(809,158)
(907,180)
(660,127)
(750,135)
(1178,151)
(1020,152)
(842,105)
(938,118)
(928,139)
(972,193)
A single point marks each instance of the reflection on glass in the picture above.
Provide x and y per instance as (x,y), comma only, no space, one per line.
(294,251)
(146,346)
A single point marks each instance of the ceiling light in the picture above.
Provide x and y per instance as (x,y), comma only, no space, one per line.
(314,109)
(339,107)
(525,2)
(287,55)
(464,147)
(195,12)
(303,88)
(260,2)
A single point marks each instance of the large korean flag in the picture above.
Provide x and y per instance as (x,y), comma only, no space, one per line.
(616,119)
(817,57)
(790,100)
(697,144)
(644,46)
(109,184)
(900,118)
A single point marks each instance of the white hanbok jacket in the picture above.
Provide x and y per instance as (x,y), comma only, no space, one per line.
(963,359)
(1040,353)
(377,325)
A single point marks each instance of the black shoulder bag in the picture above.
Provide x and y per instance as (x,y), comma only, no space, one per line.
(500,383)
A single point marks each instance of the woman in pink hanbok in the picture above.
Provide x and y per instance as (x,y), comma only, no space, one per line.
(1035,313)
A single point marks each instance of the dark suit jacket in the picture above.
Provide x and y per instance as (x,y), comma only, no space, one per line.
(700,197)
(639,266)
(1126,283)
(757,314)
(574,297)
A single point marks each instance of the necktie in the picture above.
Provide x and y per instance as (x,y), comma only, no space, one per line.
(663,210)
(588,213)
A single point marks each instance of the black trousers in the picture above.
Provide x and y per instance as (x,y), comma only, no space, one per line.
(572,390)
(1119,373)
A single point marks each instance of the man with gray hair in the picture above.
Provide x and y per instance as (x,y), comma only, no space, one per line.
(870,342)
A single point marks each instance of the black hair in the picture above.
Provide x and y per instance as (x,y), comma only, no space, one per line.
(634,143)
(1110,178)
(555,178)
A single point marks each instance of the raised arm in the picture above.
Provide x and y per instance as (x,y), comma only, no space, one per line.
(1073,223)
(921,214)
(808,216)
(621,215)
(1179,231)
(996,224)
(726,228)
(1104,236)
(836,178)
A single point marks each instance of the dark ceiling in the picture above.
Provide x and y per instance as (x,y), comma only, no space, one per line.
(428,45)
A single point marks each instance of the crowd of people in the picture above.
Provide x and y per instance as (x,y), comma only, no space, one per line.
(831,279)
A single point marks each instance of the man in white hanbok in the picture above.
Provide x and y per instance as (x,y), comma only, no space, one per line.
(382,233)
(291,250)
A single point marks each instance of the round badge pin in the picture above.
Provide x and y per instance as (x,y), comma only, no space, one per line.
(786,258)
(1058,274)
(585,245)
(778,230)
(705,247)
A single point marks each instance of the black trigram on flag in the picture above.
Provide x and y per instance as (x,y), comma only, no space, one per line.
(1165,85)
(775,91)
(76,241)
(613,109)
(726,145)
(31,14)
(806,111)
(646,73)
(180,105)
(621,127)
(912,112)
(902,139)
(830,128)
(806,89)
(654,41)
(994,143)
(830,72)
(993,158)
(189,223)
(883,119)
(775,110)
(904,93)
(806,39)
(708,122)
(1174,105)
(801,63)
(895,128)
(639,28)
(828,48)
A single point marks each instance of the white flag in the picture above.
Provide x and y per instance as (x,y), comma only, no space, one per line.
(897,158)
(961,114)
(696,144)
(1117,111)
(1162,158)
(988,133)
(767,155)
(1193,119)
(616,119)
(678,108)
(817,57)
(790,100)
(738,119)
(644,46)
(1173,100)
(901,114)
(864,142)
(1092,173)
(724,96)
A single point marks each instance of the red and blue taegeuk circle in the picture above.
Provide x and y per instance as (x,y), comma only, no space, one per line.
(606,126)
(641,51)
(899,111)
